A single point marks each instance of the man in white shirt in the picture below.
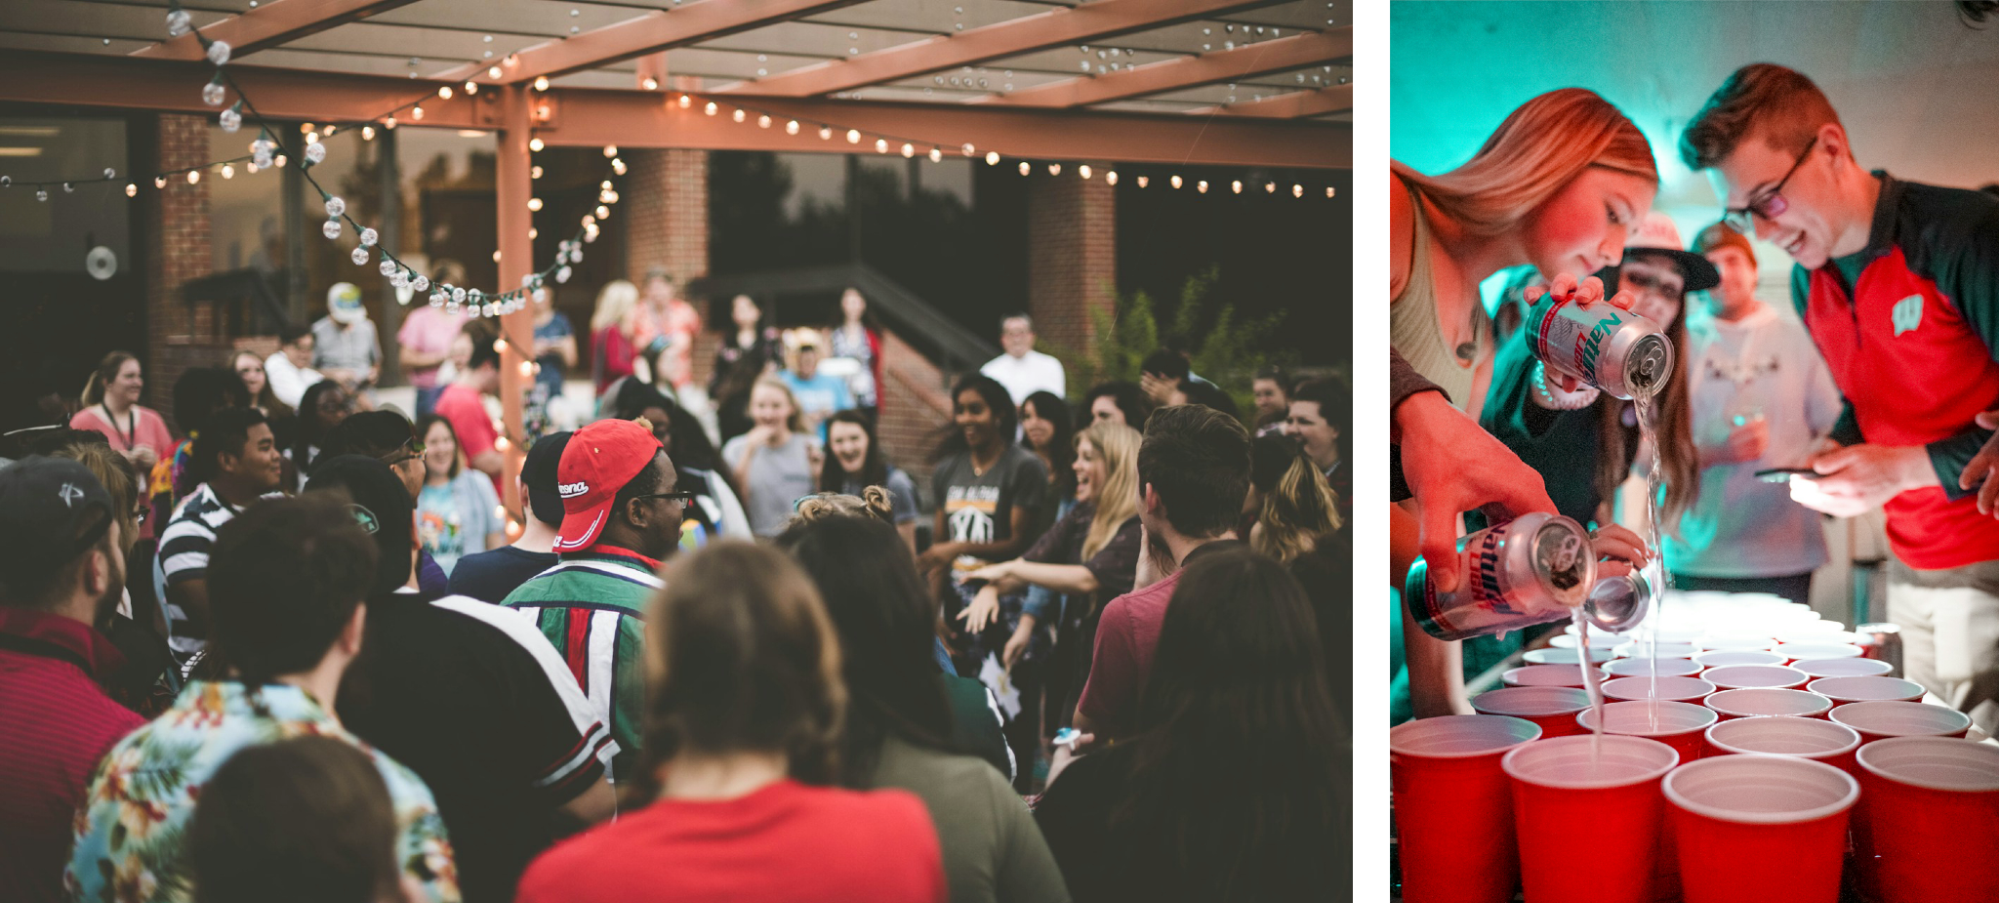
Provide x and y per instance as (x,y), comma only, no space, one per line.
(290,369)
(1023,370)
(1761,398)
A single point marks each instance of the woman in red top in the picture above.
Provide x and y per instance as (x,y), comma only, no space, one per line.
(611,333)
(744,707)
(111,406)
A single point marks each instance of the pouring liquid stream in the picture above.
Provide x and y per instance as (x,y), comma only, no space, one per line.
(1592,684)
(1654,572)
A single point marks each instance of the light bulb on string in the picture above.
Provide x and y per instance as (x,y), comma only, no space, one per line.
(791,128)
(416,113)
(603,212)
(1270,188)
(967,149)
(1024,168)
(534,205)
(1201,186)
(533,233)
(650,83)
(763,122)
(193,176)
(686,100)
(367,133)
(389,122)
(131,190)
(541,83)
(1297,191)
(280,161)
(853,136)
(992,158)
(711,109)
(881,145)
(534,172)
(444,92)
(1083,170)
(1176,181)
(228,171)
(1144,181)
(936,155)
(312,138)
(1329,191)
(159,181)
(1054,169)
(825,133)
(618,166)
(493,72)
(1236,186)
(1110,177)
(908,150)
(738,115)
(610,150)
(534,144)
(472,87)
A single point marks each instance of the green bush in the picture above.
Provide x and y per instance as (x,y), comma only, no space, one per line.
(1223,350)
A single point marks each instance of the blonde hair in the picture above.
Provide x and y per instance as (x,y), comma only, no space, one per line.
(614,304)
(741,657)
(872,502)
(120,479)
(796,421)
(1536,152)
(1117,499)
(1301,509)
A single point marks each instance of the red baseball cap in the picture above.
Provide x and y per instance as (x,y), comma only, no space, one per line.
(600,460)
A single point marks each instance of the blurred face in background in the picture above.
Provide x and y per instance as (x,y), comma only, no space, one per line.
(300,352)
(808,361)
(1104,409)
(1737,292)
(1269,396)
(128,384)
(852,305)
(662,427)
(744,312)
(850,445)
(1658,284)
(770,408)
(1089,469)
(1038,429)
(1017,337)
(440,450)
(252,371)
(1309,427)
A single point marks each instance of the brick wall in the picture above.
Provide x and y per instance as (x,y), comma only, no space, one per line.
(177,250)
(667,203)
(1071,258)
(915,409)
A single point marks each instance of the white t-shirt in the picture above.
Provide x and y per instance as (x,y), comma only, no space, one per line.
(1741,526)
(1024,376)
(289,382)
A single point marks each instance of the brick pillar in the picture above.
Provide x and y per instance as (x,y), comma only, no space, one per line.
(667,213)
(177,251)
(1071,260)
(915,410)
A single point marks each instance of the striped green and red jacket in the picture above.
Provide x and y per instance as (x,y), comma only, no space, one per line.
(592,606)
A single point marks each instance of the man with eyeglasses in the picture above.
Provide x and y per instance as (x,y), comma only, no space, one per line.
(1898,283)
(621,513)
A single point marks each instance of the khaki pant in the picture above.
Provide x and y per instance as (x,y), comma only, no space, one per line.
(1949,622)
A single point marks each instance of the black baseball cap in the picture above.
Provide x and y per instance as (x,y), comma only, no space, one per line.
(538,472)
(377,434)
(381,504)
(51,511)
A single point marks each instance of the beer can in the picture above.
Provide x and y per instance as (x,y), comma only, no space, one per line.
(1617,604)
(1531,570)
(1881,642)
(1612,349)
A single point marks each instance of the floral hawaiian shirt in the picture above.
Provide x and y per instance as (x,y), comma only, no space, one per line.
(132,830)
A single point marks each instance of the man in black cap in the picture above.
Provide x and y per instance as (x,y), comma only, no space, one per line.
(492,574)
(471,697)
(390,438)
(60,573)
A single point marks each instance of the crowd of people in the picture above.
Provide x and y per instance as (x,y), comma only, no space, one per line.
(288,644)
(1878,393)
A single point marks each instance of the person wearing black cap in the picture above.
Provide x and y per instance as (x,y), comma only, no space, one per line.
(490,575)
(388,436)
(61,570)
(1762,398)
(469,696)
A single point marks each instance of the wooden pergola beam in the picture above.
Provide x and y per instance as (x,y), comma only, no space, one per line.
(631,118)
(1068,25)
(1249,61)
(269,25)
(1295,105)
(655,31)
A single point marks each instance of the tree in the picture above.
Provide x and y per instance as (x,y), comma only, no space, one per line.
(1222,349)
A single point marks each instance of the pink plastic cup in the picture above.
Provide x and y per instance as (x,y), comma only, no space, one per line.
(1454,806)
(1736,677)
(1676,724)
(1637,649)
(1881,720)
(1544,676)
(1597,654)
(1648,667)
(1557,792)
(1843,667)
(1757,702)
(1754,829)
(1553,708)
(1847,690)
(1928,826)
(1803,738)
(1674,689)
(1795,652)
(1725,657)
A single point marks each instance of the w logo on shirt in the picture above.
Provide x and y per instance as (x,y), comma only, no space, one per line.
(1907,314)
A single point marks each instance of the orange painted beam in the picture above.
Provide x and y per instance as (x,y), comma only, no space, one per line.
(1069,25)
(1295,105)
(1248,61)
(658,30)
(269,25)
(512,188)
(584,117)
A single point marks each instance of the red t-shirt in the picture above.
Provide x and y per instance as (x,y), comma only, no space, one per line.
(58,726)
(461,405)
(785,842)
(1127,635)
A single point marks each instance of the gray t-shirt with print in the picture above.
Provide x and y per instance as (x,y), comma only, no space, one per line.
(778,477)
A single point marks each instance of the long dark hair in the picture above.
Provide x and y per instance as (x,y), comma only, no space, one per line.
(310,433)
(1128,397)
(883,615)
(1237,688)
(874,465)
(1062,446)
(1006,418)
(691,447)
(1676,452)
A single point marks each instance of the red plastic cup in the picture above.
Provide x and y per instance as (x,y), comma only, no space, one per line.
(1736,677)
(1544,676)
(1639,649)
(1674,689)
(1802,738)
(1929,820)
(1794,652)
(1649,667)
(1597,654)
(1676,724)
(1557,792)
(1734,642)
(1454,807)
(1848,690)
(1596,638)
(1843,667)
(1757,702)
(1755,829)
(1553,708)
(1722,658)
(1881,720)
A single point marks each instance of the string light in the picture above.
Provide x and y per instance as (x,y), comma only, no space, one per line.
(1083,170)
(1110,178)
(650,83)
(1201,186)
(992,158)
(534,205)
(541,83)
(686,101)
(367,133)
(1176,181)
(1054,169)
(968,149)
(493,72)
(1144,181)
(610,150)
(534,144)
(444,92)
(825,133)
(908,150)
(710,108)
(160,182)
(1329,191)
(738,115)
(791,128)
(1270,188)
(131,190)
(881,145)
(471,87)
(228,171)
(1236,186)
(193,176)
(416,113)
(617,166)
(1024,168)
(534,172)
(853,136)
(389,122)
